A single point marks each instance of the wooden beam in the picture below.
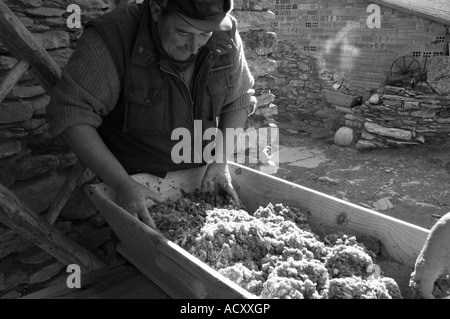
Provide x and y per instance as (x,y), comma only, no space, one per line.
(12,78)
(66,190)
(122,281)
(23,45)
(18,217)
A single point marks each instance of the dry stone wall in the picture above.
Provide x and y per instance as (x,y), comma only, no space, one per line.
(399,117)
(33,164)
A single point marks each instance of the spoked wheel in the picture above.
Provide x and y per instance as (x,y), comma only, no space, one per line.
(405,65)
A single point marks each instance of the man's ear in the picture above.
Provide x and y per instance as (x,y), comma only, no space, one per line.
(155,10)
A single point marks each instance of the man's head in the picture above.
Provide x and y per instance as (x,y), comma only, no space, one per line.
(184,26)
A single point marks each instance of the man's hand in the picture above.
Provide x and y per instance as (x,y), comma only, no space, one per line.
(218,175)
(433,260)
(135,198)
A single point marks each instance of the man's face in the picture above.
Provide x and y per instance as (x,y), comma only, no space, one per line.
(180,39)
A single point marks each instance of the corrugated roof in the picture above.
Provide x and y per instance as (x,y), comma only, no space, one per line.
(436,10)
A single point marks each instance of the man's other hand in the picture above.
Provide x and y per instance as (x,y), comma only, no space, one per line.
(136,199)
(218,175)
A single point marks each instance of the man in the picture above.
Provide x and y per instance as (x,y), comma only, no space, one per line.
(140,73)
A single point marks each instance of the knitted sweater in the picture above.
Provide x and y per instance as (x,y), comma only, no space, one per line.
(90,87)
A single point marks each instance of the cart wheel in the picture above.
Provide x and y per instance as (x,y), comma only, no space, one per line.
(405,65)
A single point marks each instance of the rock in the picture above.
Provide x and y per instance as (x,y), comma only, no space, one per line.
(13,133)
(388,131)
(296,83)
(22,92)
(383,204)
(2,281)
(15,112)
(438,74)
(424,113)
(344,136)
(41,129)
(407,105)
(7,177)
(94,237)
(43,12)
(33,124)
(36,165)
(374,99)
(11,242)
(17,278)
(68,159)
(400,144)
(38,193)
(53,39)
(262,42)
(261,65)
(61,56)
(10,148)
(337,85)
(79,206)
(387,89)
(365,145)
(328,180)
(26,3)
(264,98)
(6,63)
(267,111)
(98,220)
(33,256)
(269,168)
(45,273)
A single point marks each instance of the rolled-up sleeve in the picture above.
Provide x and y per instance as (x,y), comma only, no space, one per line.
(88,89)
(240,92)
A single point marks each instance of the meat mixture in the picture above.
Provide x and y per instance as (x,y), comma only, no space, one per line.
(272,252)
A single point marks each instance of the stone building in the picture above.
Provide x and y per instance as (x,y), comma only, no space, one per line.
(360,39)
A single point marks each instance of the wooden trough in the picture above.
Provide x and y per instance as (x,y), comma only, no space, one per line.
(181,275)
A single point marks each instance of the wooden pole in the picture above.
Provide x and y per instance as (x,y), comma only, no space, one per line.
(18,217)
(66,190)
(33,56)
(23,45)
(12,78)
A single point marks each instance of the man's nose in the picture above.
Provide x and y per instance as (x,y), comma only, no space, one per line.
(195,44)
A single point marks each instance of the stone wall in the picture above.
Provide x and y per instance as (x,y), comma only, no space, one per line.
(298,83)
(407,114)
(399,117)
(34,165)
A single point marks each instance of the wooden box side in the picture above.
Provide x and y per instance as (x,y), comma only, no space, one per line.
(403,241)
(174,270)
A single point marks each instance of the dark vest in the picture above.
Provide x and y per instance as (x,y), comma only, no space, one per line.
(154,101)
